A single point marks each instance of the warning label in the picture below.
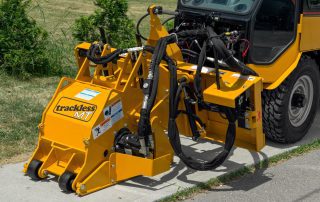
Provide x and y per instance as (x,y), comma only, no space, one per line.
(112,114)
(87,94)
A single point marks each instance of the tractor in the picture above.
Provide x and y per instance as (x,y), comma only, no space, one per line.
(233,72)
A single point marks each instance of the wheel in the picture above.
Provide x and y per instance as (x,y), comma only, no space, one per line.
(33,169)
(66,181)
(289,110)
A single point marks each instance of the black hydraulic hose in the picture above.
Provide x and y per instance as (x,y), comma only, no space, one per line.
(202,33)
(216,65)
(190,52)
(186,54)
(91,55)
(226,55)
(151,86)
(195,164)
(159,54)
(197,78)
(175,92)
(223,52)
(154,67)
(138,26)
(174,137)
(220,52)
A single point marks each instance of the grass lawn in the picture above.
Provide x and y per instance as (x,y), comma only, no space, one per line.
(58,16)
(22,102)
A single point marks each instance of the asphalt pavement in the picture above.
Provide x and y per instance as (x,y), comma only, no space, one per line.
(295,180)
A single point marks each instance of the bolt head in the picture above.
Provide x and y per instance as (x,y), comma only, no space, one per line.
(45,173)
(86,142)
(146,85)
(83,187)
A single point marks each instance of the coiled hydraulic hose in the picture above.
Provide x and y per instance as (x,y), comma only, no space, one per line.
(173,132)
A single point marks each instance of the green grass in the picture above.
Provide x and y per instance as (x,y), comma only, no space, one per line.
(188,193)
(22,102)
(58,16)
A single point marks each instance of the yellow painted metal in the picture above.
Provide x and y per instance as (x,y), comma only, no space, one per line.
(232,86)
(306,40)
(310,33)
(274,74)
(252,137)
(68,135)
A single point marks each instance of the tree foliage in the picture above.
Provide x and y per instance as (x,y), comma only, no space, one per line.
(23,50)
(111,15)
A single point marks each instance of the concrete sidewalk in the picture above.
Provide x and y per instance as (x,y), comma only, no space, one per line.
(14,186)
(295,180)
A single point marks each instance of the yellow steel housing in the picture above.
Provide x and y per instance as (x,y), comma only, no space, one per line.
(68,140)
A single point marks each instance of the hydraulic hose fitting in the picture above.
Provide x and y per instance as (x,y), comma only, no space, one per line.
(144,148)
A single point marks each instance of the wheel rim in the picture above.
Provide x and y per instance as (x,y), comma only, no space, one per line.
(298,115)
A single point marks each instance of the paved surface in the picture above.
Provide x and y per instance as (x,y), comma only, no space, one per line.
(14,186)
(295,180)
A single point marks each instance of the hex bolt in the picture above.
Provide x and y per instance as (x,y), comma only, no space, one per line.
(86,142)
(40,126)
(83,187)
(146,85)
(45,173)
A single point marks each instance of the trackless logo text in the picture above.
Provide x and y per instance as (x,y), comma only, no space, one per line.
(75,109)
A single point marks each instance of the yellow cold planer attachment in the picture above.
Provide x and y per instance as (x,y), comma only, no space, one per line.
(122,115)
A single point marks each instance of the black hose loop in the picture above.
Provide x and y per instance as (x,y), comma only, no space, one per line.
(138,26)
(174,99)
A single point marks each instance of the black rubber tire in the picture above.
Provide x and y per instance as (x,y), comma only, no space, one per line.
(276,123)
(33,169)
(66,180)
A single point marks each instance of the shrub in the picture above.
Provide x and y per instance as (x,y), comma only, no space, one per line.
(23,44)
(110,16)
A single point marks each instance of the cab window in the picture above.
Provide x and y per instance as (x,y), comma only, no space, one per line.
(273,30)
(314,3)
